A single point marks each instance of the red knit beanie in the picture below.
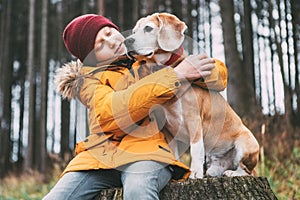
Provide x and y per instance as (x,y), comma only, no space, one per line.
(80,34)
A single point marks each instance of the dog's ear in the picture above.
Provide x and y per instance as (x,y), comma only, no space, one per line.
(171,34)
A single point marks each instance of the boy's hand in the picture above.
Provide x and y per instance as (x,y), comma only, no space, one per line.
(195,67)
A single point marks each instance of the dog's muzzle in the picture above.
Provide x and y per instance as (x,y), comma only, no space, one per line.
(129,42)
(129,46)
(132,51)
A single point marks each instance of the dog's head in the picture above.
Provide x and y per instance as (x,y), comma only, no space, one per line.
(157,31)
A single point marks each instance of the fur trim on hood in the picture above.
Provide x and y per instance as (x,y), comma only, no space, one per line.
(68,79)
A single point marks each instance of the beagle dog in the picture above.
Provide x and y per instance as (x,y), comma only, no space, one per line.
(202,118)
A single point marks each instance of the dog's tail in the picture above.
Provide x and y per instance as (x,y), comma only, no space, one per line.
(68,79)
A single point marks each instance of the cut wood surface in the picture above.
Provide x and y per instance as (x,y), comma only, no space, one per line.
(246,187)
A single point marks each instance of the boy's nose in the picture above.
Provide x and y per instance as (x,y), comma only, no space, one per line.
(111,43)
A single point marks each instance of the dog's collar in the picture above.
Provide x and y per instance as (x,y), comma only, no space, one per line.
(175,56)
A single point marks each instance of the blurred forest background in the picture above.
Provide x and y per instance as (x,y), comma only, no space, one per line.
(258,40)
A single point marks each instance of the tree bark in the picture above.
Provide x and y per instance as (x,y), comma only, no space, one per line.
(135,11)
(295,6)
(31,79)
(101,10)
(42,152)
(233,60)
(65,150)
(288,107)
(121,15)
(248,60)
(245,187)
(5,90)
(241,92)
(65,105)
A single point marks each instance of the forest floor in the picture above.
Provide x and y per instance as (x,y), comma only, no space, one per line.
(279,162)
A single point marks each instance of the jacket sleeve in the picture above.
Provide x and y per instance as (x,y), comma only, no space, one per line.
(217,80)
(121,109)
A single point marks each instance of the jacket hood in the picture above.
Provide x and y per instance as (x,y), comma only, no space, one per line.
(68,79)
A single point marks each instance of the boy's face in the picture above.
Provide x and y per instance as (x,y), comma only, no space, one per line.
(109,45)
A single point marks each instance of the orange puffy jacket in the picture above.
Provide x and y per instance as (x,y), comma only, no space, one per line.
(123,127)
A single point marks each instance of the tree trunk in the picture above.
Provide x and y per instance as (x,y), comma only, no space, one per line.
(65,130)
(31,79)
(121,16)
(288,107)
(101,9)
(44,89)
(65,105)
(248,62)
(189,22)
(295,6)
(177,9)
(5,90)
(241,93)
(150,7)
(232,56)
(135,11)
(245,187)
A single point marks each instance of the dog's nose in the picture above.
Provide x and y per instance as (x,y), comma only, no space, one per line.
(129,41)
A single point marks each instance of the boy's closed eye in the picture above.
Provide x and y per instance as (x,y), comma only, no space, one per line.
(107,32)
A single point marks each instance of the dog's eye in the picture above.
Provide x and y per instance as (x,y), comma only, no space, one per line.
(148,29)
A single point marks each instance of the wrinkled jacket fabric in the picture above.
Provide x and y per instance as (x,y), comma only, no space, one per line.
(122,122)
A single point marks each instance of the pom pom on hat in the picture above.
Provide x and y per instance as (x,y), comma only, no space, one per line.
(80,34)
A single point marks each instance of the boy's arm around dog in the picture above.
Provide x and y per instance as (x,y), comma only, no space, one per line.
(122,108)
(122,127)
(217,80)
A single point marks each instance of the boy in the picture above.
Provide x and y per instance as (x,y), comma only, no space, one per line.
(125,147)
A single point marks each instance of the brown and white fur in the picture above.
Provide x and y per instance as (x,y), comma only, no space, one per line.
(200,117)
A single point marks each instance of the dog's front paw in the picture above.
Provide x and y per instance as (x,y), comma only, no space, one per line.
(230,173)
(214,171)
(196,174)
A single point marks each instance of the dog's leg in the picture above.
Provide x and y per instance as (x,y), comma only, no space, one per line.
(218,164)
(246,158)
(197,156)
(216,169)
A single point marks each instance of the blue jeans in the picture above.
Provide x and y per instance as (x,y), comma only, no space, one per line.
(140,180)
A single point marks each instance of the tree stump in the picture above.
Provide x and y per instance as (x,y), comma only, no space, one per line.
(245,187)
